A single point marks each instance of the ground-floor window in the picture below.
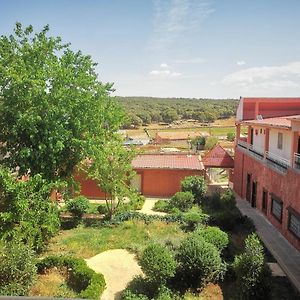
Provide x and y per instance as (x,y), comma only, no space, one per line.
(265,200)
(294,222)
(276,208)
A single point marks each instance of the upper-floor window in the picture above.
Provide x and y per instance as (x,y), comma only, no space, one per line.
(280,140)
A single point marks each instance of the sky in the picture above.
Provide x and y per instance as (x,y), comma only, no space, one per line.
(177,48)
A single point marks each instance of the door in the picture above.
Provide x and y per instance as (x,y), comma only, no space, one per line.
(254,190)
(251,136)
(248,187)
(136,182)
(265,201)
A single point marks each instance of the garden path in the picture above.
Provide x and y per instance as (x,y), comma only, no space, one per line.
(148,207)
(118,267)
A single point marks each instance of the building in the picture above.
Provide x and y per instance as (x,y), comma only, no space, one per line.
(267,161)
(157,175)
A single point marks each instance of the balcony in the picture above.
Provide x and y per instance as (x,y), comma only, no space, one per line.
(270,159)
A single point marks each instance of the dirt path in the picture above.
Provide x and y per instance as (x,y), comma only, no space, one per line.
(148,206)
(118,267)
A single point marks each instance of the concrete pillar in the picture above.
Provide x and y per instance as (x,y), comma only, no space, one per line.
(249,135)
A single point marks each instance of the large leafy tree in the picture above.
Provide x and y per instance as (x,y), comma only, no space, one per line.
(52,105)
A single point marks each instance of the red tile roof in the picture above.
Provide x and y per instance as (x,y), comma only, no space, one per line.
(219,158)
(282,122)
(168,161)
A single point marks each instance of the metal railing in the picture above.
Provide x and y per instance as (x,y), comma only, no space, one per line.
(278,162)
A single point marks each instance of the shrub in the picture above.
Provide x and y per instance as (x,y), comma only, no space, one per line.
(157,263)
(129,295)
(251,272)
(230,136)
(211,141)
(182,200)
(162,205)
(193,218)
(102,209)
(196,185)
(78,206)
(200,260)
(215,236)
(17,268)
(89,283)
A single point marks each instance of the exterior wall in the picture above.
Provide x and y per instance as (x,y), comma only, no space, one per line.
(163,182)
(154,182)
(285,152)
(259,138)
(284,186)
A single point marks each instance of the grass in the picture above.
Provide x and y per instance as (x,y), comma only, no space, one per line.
(52,284)
(132,235)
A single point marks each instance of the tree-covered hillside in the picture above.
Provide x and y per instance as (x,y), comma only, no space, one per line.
(146,110)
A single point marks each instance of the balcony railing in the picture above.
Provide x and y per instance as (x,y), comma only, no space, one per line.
(279,163)
(297,161)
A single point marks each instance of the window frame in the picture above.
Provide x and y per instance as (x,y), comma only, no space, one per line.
(279,202)
(295,214)
(280,140)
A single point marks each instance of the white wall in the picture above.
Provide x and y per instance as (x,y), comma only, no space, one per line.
(259,138)
(285,152)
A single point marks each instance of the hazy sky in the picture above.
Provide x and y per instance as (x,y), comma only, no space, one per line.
(180,48)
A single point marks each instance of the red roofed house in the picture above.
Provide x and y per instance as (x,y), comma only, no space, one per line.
(267,162)
(158,175)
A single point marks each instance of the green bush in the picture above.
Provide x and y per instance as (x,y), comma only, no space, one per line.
(157,263)
(89,283)
(17,268)
(193,218)
(215,236)
(182,200)
(129,295)
(251,271)
(78,206)
(230,136)
(102,209)
(196,185)
(200,261)
(211,141)
(162,205)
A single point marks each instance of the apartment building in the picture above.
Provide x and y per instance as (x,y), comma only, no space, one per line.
(267,161)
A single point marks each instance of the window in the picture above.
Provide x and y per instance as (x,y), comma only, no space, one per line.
(276,208)
(265,200)
(294,222)
(280,140)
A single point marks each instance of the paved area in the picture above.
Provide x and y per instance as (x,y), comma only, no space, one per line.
(148,206)
(286,255)
(118,267)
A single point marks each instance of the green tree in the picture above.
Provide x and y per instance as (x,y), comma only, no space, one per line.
(196,185)
(26,211)
(52,107)
(211,141)
(230,136)
(111,168)
(170,115)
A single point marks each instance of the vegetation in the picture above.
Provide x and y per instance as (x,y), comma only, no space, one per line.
(210,142)
(196,185)
(157,264)
(81,278)
(78,206)
(26,211)
(53,107)
(146,110)
(17,268)
(182,200)
(230,136)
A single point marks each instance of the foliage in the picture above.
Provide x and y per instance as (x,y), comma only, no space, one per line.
(17,268)
(89,283)
(162,205)
(193,218)
(53,107)
(129,295)
(172,109)
(250,270)
(26,212)
(157,263)
(230,136)
(199,260)
(111,168)
(199,142)
(211,141)
(195,185)
(78,206)
(182,200)
(215,236)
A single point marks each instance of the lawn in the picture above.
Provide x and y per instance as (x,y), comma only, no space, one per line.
(131,235)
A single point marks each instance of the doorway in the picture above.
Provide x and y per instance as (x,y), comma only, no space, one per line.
(265,201)
(248,187)
(254,190)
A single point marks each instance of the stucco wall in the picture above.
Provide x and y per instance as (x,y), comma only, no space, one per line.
(284,186)
(285,152)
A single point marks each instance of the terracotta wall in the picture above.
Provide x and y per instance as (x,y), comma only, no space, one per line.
(285,186)
(155,182)
(163,182)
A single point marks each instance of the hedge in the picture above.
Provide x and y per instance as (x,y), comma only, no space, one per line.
(89,283)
